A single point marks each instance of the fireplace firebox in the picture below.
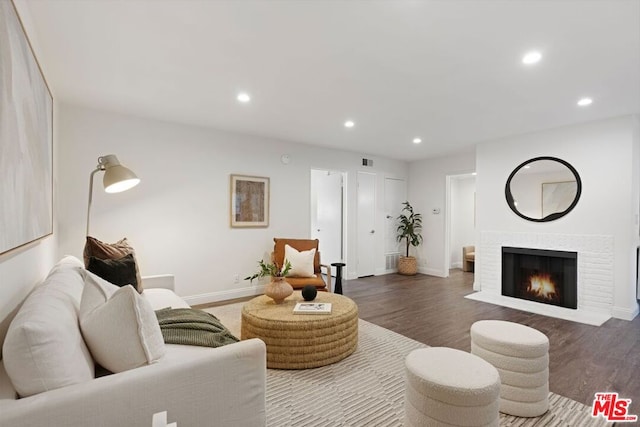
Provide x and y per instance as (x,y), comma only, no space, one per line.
(544,276)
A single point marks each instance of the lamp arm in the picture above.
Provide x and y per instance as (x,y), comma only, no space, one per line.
(91,195)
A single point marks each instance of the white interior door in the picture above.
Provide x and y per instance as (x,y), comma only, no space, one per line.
(366,224)
(395,193)
(327,214)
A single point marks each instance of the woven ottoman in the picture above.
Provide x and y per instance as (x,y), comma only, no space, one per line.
(521,356)
(448,387)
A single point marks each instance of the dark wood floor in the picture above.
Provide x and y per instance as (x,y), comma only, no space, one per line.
(583,359)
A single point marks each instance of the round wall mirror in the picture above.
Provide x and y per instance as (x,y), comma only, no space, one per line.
(543,189)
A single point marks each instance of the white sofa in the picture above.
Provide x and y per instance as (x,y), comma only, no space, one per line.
(196,386)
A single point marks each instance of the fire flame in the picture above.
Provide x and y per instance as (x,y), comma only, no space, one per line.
(542,286)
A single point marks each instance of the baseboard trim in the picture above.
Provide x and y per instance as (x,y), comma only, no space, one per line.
(224,295)
(625,313)
(351,275)
(431,272)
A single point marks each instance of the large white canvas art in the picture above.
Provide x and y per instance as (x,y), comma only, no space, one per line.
(26,144)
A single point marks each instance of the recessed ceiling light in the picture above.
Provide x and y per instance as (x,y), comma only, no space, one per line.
(243,97)
(532,57)
(583,102)
(474,173)
(349,124)
(417,140)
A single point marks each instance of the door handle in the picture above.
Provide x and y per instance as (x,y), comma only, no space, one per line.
(372,231)
(389,217)
(318,230)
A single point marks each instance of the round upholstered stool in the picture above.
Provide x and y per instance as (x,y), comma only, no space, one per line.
(521,356)
(448,387)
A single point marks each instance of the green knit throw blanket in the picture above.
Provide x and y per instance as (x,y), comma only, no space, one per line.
(189,326)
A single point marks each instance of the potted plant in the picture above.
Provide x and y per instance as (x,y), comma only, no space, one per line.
(278,289)
(409,230)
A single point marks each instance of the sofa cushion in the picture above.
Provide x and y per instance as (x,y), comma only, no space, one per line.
(163,298)
(95,248)
(301,261)
(120,272)
(44,349)
(119,326)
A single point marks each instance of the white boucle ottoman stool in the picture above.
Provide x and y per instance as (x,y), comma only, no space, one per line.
(448,387)
(521,356)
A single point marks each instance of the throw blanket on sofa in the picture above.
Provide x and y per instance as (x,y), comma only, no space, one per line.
(188,326)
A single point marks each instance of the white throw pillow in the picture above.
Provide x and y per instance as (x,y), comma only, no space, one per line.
(43,349)
(119,326)
(301,261)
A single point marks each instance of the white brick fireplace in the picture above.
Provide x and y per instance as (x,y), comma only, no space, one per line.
(595,273)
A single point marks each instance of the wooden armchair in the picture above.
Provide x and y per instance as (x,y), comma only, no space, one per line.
(303,245)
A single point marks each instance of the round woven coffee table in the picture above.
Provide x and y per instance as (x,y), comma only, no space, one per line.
(302,341)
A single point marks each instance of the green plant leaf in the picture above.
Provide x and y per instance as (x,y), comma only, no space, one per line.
(409,227)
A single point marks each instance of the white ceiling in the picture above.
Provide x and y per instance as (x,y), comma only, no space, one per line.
(448,71)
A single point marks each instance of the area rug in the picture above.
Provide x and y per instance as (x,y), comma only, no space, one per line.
(367,388)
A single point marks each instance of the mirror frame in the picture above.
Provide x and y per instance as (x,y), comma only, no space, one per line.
(553,216)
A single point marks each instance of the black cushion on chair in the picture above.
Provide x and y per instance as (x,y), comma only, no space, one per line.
(120,272)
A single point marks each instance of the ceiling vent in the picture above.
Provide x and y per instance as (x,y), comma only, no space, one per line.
(367,162)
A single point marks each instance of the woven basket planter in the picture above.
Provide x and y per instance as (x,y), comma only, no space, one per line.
(407,265)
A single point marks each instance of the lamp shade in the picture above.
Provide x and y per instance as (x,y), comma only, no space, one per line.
(117,178)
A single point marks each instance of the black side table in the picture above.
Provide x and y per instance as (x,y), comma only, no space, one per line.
(338,266)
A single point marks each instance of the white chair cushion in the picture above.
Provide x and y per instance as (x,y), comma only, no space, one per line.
(43,349)
(119,326)
(524,409)
(524,394)
(453,414)
(301,261)
(519,379)
(525,365)
(163,298)
(452,376)
(509,339)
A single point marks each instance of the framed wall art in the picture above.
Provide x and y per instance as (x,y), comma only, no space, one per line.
(26,138)
(249,201)
(557,196)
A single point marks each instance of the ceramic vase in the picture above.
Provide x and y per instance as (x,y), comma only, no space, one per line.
(278,289)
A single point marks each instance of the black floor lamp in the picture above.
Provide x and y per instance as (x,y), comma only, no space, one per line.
(116,179)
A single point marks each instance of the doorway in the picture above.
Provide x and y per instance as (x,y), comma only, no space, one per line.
(461,218)
(327,214)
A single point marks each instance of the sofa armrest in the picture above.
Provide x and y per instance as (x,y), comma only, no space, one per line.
(216,386)
(328,273)
(165,281)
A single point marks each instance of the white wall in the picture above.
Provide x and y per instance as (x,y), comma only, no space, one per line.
(178,217)
(427,191)
(22,269)
(603,154)
(463,230)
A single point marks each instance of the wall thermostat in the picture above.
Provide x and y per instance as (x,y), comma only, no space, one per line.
(285,159)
